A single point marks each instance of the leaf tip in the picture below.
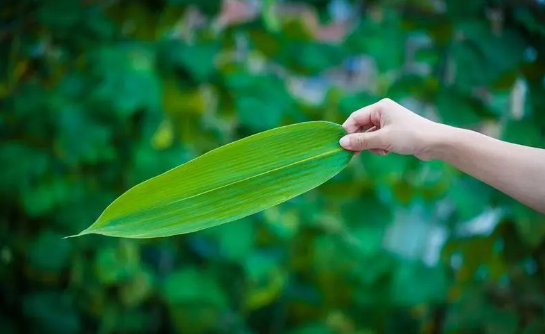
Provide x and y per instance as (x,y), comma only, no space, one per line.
(82,233)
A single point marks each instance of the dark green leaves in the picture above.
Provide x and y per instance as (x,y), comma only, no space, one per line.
(97,96)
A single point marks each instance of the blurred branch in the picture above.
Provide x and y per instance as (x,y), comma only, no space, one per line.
(438,318)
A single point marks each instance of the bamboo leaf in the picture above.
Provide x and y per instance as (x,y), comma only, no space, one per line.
(228,183)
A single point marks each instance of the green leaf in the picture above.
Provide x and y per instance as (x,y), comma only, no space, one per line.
(16,177)
(476,56)
(197,60)
(414,283)
(522,132)
(48,253)
(269,115)
(113,265)
(529,20)
(138,289)
(350,103)
(266,279)
(82,138)
(229,183)
(387,56)
(412,85)
(470,196)
(43,197)
(529,224)
(311,57)
(191,285)
(128,78)
(262,101)
(236,240)
(458,109)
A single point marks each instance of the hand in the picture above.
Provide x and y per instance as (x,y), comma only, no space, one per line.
(386,127)
(513,169)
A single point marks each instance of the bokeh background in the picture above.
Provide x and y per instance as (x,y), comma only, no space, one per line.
(98,95)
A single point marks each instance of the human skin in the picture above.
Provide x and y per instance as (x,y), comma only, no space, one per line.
(384,127)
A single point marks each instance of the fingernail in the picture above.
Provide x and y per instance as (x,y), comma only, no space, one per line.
(345,142)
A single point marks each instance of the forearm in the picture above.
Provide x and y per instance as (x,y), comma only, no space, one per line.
(518,171)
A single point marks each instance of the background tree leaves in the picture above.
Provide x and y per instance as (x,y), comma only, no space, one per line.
(97,96)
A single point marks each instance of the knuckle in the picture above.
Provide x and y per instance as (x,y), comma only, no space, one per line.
(385,101)
(360,141)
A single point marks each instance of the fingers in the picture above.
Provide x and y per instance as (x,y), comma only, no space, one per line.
(364,141)
(365,118)
(377,151)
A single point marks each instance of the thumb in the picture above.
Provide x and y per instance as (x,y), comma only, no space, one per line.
(363,141)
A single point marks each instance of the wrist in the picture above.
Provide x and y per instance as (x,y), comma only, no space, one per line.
(442,141)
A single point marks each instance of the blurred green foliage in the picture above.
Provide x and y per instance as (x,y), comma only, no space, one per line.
(97,96)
